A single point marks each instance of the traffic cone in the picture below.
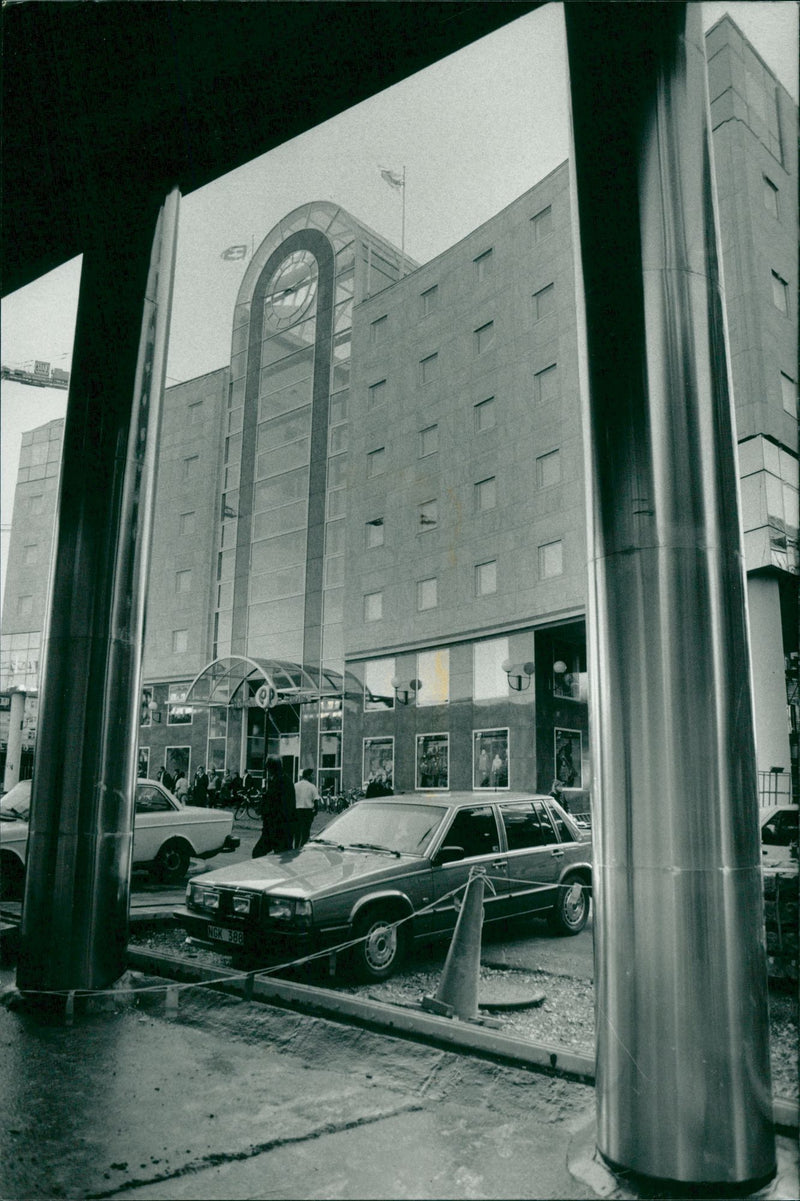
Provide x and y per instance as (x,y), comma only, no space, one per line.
(457,994)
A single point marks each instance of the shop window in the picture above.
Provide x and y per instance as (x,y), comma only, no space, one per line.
(433,762)
(490,758)
(568,758)
(378,766)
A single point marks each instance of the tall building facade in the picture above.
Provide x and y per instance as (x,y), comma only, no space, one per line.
(369,549)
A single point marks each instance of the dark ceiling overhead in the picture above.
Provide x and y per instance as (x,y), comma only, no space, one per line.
(106,105)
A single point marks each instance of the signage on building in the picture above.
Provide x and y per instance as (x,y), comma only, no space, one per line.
(41,368)
(266,696)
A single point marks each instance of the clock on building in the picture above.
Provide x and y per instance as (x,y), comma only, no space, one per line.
(291,291)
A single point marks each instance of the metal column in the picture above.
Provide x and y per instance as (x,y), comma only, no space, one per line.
(683,1078)
(75,914)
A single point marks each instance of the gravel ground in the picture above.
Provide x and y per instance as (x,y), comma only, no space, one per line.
(565,1017)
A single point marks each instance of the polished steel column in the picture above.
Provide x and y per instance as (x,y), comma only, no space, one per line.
(683,1078)
(16,719)
(75,913)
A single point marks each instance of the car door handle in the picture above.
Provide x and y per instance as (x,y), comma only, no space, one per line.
(557,854)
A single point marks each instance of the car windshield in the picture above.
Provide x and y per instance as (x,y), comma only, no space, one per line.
(393,827)
(17,801)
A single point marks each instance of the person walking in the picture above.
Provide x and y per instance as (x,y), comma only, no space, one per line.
(306,802)
(200,787)
(277,818)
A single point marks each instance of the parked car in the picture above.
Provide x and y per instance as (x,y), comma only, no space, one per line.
(392,858)
(779,833)
(166,834)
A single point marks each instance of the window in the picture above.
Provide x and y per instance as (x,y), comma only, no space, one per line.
(545,384)
(183,582)
(376,394)
(430,300)
(24,606)
(376,462)
(770,195)
(476,831)
(428,441)
(429,368)
(377,329)
(780,293)
(427,594)
(483,338)
(373,606)
(29,554)
(789,394)
(196,412)
(180,642)
(189,465)
(527,825)
(374,530)
(548,469)
(484,265)
(186,523)
(544,302)
(428,516)
(542,224)
(433,762)
(178,714)
(378,763)
(489,680)
(485,416)
(36,503)
(378,690)
(486,578)
(486,495)
(551,559)
(490,759)
(433,674)
(150,799)
(569,757)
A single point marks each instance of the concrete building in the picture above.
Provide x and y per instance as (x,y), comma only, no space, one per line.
(369,549)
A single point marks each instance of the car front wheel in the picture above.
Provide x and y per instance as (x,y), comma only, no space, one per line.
(571,910)
(172,861)
(382,947)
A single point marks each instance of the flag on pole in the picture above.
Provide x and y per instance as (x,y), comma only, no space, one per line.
(393,178)
(234,252)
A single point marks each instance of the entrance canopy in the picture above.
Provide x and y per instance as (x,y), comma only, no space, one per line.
(224,682)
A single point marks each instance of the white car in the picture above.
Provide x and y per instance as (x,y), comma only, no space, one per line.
(166,834)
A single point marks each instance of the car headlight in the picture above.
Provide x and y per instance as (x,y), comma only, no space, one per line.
(287,909)
(202,897)
(241,904)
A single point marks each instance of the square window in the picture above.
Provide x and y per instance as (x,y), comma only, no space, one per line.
(551,559)
(428,441)
(180,642)
(30,553)
(427,594)
(189,465)
(548,469)
(484,264)
(186,523)
(429,368)
(376,462)
(770,194)
(430,300)
(24,606)
(36,503)
(545,384)
(485,415)
(196,412)
(483,338)
(789,395)
(780,293)
(486,578)
(183,582)
(376,394)
(542,224)
(544,302)
(373,606)
(486,494)
(428,516)
(374,530)
(377,329)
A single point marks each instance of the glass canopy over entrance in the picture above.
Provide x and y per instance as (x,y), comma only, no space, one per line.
(233,680)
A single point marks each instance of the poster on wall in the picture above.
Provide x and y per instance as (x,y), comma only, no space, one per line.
(377,775)
(433,761)
(490,758)
(178,758)
(143,769)
(568,757)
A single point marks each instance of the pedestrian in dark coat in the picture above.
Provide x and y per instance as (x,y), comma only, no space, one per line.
(277,816)
(200,787)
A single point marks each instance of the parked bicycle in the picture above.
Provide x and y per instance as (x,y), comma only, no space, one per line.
(248,804)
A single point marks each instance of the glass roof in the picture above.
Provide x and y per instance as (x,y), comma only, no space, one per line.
(222,682)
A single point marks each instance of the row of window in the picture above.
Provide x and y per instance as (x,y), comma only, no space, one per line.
(483,266)
(546,387)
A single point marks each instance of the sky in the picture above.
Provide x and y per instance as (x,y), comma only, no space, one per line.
(473,132)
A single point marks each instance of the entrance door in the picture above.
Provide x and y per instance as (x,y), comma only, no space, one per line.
(290,755)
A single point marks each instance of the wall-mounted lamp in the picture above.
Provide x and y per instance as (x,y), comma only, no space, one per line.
(519,674)
(153,709)
(559,667)
(404,692)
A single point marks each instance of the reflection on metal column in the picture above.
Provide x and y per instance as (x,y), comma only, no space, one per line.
(75,913)
(683,1079)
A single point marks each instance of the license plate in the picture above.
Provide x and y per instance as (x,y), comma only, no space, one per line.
(220,934)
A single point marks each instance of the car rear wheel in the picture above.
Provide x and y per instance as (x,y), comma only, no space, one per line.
(571,910)
(382,947)
(172,861)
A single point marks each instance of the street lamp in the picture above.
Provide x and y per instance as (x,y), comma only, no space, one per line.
(519,674)
(404,692)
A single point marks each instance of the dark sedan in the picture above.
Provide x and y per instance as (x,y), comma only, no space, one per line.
(403,860)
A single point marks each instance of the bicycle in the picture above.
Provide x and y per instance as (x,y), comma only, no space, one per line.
(248,804)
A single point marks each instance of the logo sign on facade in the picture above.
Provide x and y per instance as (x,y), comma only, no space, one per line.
(266,696)
(41,368)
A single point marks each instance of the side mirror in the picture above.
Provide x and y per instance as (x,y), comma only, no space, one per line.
(449,855)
